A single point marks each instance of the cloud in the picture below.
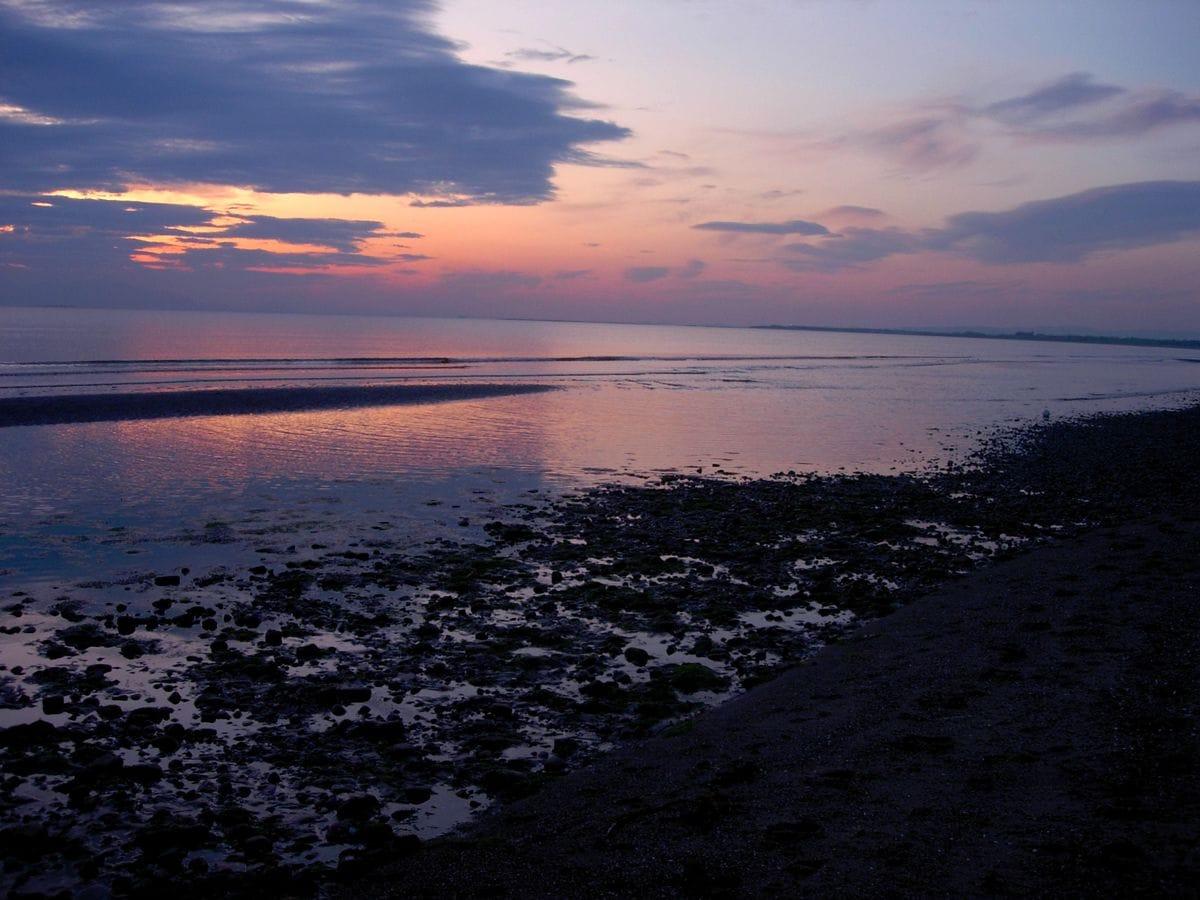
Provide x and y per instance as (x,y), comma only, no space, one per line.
(49,231)
(646,274)
(275,95)
(1059,230)
(442,204)
(1066,93)
(933,141)
(1073,108)
(795,226)
(1071,228)
(553,54)
(341,234)
(855,212)
(850,249)
(1144,112)
(572,274)
(693,268)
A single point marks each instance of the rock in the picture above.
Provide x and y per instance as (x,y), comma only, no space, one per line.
(53,705)
(166,581)
(257,847)
(31,734)
(142,773)
(308,652)
(417,795)
(565,747)
(273,638)
(637,656)
(358,808)
(688,678)
(102,766)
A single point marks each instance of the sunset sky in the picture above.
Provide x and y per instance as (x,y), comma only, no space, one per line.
(829,162)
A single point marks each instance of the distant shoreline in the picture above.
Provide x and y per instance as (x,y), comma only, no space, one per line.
(76,408)
(1169,343)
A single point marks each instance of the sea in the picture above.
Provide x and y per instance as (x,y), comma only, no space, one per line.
(629,402)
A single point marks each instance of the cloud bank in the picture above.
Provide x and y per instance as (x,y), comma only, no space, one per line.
(1060,230)
(279,96)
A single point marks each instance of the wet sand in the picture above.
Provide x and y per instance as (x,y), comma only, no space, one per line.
(1028,730)
(66,409)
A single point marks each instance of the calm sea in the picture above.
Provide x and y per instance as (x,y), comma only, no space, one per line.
(632,401)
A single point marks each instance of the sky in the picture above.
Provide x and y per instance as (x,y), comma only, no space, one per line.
(867,163)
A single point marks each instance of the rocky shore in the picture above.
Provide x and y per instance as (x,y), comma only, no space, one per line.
(323,712)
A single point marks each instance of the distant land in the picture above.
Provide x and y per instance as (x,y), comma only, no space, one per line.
(1176,344)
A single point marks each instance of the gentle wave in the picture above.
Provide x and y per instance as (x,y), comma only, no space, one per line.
(24,369)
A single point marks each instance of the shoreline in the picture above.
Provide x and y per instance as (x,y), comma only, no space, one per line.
(295,719)
(66,409)
(1028,729)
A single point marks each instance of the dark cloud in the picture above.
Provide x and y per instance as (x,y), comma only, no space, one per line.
(693,268)
(858,212)
(1060,230)
(572,274)
(341,234)
(551,54)
(64,232)
(278,95)
(1066,93)
(202,255)
(442,204)
(851,248)
(645,274)
(1141,113)
(795,226)
(1070,228)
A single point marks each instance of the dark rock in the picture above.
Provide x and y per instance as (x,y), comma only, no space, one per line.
(637,656)
(31,734)
(358,808)
(166,580)
(565,747)
(417,795)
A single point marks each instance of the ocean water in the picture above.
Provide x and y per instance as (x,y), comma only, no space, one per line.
(629,402)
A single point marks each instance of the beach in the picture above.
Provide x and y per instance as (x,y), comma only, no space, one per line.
(293,724)
(1028,731)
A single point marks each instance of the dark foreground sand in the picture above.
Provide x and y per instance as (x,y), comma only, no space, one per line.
(1030,729)
(61,410)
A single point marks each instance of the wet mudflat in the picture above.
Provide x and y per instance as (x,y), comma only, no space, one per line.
(330,707)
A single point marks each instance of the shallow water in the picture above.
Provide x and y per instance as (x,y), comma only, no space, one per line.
(632,399)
